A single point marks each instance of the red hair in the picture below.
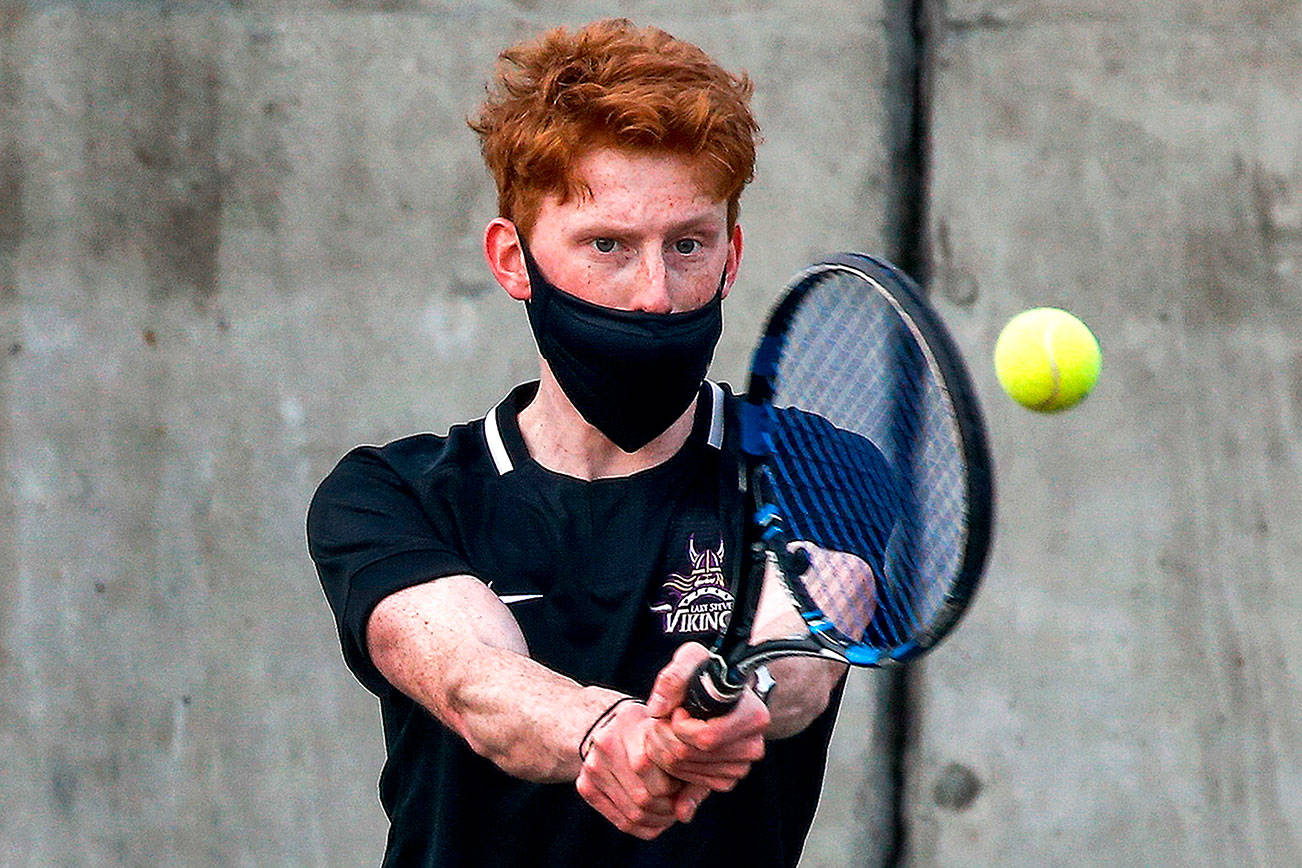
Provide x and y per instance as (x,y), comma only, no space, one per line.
(610,84)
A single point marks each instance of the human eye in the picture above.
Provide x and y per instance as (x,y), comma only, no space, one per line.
(687,246)
(604,245)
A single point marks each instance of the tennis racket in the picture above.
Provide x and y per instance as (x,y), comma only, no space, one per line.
(867,474)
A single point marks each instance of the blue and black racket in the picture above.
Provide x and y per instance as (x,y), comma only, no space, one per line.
(868,476)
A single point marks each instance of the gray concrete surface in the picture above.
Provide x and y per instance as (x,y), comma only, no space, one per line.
(1127,689)
(234,242)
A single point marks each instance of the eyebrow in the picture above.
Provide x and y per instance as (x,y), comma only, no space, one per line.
(699,222)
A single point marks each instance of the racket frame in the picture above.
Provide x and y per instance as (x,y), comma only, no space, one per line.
(732,659)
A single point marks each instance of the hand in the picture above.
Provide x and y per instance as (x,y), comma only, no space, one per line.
(624,785)
(834,575)
(707,755)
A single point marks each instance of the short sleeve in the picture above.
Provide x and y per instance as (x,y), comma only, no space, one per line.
(369,537)
(827,472)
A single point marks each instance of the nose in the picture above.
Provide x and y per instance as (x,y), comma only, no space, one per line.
(651,293)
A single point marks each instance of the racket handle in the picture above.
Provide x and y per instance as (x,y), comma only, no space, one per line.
(710,693)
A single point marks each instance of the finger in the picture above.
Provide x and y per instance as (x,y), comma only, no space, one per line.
(686,763)
(625,810)
(611,771)
(670,687)
(717,771)
(712,773)
(637,803)
(664,748)
(747,721)
(712,783)
(617,759)
(677,757)
(656,780)
(604,805)
(749,749)
(716,785)
(674,758)
(689,800)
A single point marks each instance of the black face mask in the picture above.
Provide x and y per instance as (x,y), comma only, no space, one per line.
(630,374)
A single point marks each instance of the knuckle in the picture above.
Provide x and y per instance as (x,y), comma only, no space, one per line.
(642,818)
(657,783)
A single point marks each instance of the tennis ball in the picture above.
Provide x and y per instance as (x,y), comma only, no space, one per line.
(1047,360)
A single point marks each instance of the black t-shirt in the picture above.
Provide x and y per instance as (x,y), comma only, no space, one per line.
(606,579)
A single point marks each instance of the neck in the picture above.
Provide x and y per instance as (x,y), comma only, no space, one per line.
(561,440)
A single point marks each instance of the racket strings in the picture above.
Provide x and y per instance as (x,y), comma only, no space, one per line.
(866,460)
(822,493)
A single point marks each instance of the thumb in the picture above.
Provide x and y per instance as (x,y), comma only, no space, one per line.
(670,686)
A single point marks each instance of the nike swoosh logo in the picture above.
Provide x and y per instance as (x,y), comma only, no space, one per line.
(518,598)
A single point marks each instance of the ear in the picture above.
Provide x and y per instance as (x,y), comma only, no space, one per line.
(505,258)
(734,260)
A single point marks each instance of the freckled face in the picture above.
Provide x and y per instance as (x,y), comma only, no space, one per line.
(650,237)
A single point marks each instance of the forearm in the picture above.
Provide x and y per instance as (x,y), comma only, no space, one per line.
(804,685)
(477,679)
(802,692)
(511,710)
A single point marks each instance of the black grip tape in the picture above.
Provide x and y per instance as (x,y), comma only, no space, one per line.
(709,693)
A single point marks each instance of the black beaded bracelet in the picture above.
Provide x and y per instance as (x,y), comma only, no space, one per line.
(585,743)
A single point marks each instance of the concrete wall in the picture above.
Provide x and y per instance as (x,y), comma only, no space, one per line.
(235,241)
(1127,690)
(233,244)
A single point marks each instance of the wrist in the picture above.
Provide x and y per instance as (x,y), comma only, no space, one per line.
(600,723)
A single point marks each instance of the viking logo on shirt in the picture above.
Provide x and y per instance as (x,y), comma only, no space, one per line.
(698,602)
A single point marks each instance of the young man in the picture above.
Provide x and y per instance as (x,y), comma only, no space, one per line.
(528,595)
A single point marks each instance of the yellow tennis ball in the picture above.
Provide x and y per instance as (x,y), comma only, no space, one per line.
(1047,360)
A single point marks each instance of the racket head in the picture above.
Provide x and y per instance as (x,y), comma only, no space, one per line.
(868,440)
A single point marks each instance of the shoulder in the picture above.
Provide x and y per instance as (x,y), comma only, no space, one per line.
(371,482)
(417,456)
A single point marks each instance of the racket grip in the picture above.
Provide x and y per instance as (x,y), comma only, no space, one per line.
(709,692)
